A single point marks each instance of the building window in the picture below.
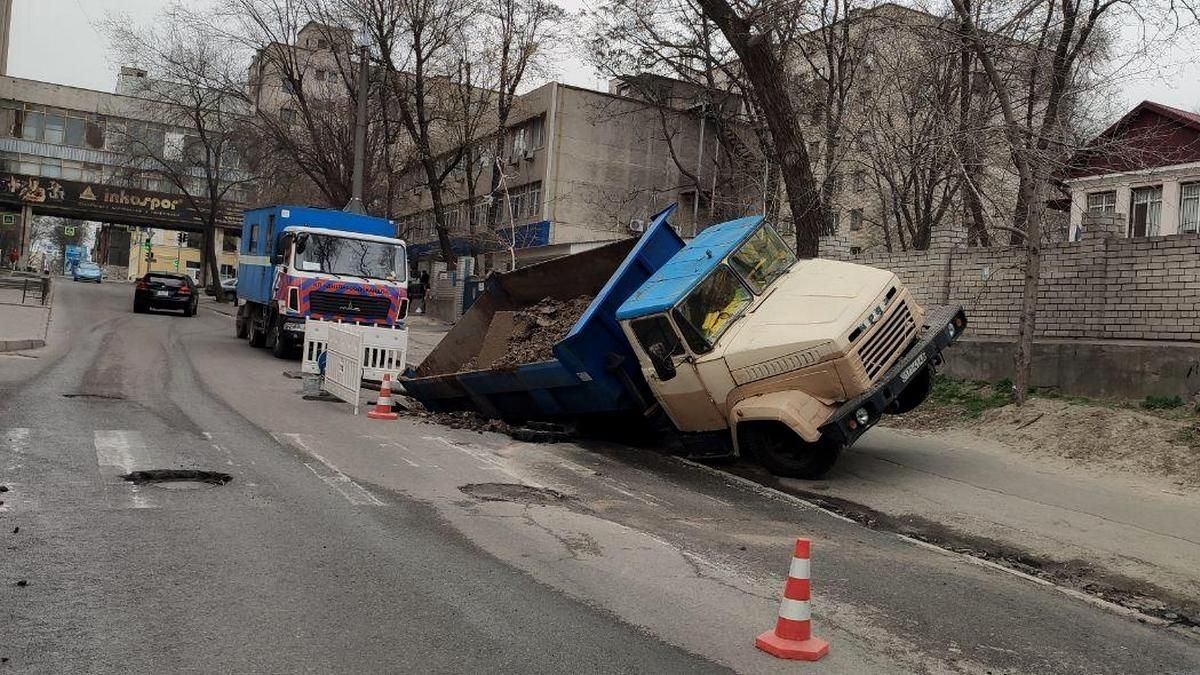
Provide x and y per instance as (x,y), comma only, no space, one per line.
(527,137)
(320,75)
(1102,202)
(228,271)
(288,86)
(287,115)
(1144,214)
(856,220)
(814,150)
(835,183)
(1189,207)
(831,226)
(860,180)
(229,242)
(322,43)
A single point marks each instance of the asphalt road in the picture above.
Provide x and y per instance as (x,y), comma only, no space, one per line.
(349,545)
(273,572)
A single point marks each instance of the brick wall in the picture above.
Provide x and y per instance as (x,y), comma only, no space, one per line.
(1115,288)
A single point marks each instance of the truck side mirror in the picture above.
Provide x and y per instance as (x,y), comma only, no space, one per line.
(664,367)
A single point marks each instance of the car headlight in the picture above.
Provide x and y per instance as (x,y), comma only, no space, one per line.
(862,416)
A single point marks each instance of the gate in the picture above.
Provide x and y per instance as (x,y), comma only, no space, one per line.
(343,365)
(384,349)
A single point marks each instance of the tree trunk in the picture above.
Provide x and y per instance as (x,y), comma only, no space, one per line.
(1027,325)
(766,75)
(209,262)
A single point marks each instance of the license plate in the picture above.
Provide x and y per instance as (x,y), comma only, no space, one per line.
(162,294)
(912,368)
(294,327)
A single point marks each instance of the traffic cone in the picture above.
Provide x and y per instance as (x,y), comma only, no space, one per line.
(792,637)
(383,408)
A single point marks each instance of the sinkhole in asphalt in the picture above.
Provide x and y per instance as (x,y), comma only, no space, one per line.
(512,492)
(178,479)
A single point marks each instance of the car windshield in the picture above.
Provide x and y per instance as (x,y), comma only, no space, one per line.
(344,255)
(708,310)
(762,258)
(89,266)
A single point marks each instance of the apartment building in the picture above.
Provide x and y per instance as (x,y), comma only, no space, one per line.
(579,168)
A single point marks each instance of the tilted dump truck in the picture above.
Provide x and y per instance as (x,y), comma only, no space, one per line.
(743,347)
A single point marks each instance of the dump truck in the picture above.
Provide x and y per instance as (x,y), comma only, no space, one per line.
(742,348)
(300,268)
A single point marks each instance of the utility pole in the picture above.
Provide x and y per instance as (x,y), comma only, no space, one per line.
(360,137)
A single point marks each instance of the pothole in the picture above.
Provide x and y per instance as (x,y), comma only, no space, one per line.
(178,479)
(512,492)
(108,397)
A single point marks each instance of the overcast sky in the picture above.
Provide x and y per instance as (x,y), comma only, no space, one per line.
(56,41)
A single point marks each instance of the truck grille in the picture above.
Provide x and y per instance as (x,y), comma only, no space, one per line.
(348,306)
(886,342)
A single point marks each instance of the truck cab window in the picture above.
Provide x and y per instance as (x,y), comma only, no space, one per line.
(657,330)
(762,258)
(705,314)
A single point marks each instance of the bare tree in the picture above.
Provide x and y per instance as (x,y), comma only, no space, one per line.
(1036,95)
(304,98)
(190,140)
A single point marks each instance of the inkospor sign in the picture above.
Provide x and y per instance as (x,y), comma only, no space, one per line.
(95,201)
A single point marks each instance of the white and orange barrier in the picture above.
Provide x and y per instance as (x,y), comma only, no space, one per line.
(792,637)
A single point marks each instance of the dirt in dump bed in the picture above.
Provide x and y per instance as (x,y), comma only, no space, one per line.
(536,329)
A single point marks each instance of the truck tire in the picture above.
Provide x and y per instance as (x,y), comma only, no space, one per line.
(914,394)
(779,450)
(258,336)
(241,324)
(279,346)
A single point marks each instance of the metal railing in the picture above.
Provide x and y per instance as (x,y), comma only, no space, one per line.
(34,289)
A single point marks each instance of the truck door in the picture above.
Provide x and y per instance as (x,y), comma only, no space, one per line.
(671,372)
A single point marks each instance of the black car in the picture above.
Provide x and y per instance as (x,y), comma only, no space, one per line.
(165,290)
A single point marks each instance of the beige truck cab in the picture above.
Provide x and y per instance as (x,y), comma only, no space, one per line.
(793,359)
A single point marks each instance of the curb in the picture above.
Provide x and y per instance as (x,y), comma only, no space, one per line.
(20,345)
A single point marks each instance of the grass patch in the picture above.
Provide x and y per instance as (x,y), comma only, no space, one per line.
(1161,402)
(971,398)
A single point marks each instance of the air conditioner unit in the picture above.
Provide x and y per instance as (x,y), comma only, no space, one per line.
(636,225)
(528,155)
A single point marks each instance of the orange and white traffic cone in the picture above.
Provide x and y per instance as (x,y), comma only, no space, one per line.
(792,637)
(383,407)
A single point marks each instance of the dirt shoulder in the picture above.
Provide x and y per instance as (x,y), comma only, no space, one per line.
(1157,438)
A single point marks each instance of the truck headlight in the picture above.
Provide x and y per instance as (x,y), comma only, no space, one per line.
(950,331)
(862,416)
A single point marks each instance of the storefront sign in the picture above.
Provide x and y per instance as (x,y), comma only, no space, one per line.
(108,203)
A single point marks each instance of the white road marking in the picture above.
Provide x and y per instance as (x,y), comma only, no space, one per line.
(490,462)
(581,470)
(117,452)
(340,482)
(16,440)
(394,444)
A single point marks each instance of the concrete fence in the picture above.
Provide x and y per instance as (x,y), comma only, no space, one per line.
(1141,289)
(1116,317)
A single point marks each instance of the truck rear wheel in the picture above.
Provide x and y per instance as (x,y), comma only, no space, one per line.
(914,393)
(779,450)
(241,324)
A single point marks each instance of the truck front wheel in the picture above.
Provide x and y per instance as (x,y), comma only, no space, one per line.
(779,450)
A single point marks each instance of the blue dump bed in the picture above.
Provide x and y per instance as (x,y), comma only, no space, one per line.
(593,371)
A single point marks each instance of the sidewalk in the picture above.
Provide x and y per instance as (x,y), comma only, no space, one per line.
(22,327)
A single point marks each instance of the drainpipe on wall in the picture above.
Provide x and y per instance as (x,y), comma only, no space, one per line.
(550,184)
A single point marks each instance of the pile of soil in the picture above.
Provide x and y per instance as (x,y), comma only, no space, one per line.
(537,328)
(1109,437)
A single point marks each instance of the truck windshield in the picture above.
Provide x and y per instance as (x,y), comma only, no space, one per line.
(709,309)
(762,258)
(352,257)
